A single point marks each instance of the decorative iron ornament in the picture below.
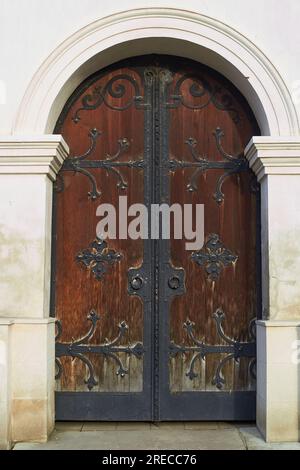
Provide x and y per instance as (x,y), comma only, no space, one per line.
(139,282)
(109,349)
(214,257)
(80,164)
(174,281)
(230,163)
(115,88)
(233,349)
(201,89)
(98,257)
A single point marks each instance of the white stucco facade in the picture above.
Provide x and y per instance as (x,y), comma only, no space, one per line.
(48,48)
(22,23)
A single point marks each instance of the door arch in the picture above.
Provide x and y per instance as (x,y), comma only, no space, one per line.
(159,30)
(158,129)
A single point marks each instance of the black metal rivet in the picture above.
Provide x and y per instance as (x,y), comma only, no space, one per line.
(136,283)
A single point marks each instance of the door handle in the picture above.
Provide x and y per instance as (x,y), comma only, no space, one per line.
(137,283)
(174,282)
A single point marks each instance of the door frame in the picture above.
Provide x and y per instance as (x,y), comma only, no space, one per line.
(101,404)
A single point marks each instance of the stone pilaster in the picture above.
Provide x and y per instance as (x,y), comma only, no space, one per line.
(276,162)
(28,167)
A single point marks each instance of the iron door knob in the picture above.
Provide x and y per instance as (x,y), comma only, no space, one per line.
(136,283)
(174,282)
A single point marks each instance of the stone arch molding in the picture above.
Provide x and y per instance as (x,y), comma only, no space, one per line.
(157,30)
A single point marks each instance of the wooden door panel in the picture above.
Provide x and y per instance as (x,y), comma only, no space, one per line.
(107,105)
(209,124)
(197,127)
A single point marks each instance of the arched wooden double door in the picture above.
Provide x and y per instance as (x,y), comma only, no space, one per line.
(146,329)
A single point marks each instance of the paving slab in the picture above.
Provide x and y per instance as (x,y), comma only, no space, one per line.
(69,426)
(165,439)
(95,426)
(253,441)
(162,436)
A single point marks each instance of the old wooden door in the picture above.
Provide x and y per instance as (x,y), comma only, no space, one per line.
(146,329)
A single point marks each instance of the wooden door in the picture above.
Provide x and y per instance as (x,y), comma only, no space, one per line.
(146,329)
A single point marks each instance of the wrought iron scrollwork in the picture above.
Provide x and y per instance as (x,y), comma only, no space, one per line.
(205,93)
(115,88)
(109,349)
(233,349)
(98,257)
(80,164)
(230,163)
(57,359)
(214,257)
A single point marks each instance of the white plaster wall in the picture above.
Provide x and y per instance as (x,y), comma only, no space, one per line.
(24,236)
(31,29)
